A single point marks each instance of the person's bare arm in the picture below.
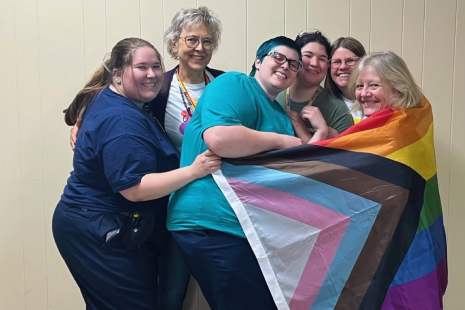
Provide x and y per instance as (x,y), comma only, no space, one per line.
(240,141)
(314,116)
(157,185)
(300,128)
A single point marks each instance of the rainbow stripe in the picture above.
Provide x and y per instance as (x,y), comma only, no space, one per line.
(353,222)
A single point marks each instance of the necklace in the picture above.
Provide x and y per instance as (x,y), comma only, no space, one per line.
(310,102)
(185,94)
(146,110)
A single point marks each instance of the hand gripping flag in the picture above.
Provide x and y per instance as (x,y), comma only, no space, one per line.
(354,222)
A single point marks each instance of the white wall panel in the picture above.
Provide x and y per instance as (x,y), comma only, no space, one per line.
(331,17)
(456,212)
(12,282)
(32,190)
(231,54)
(360,21)
(386,25)
(438,69)
(122,19)
(95,36)
(50,48)
(265,20)
(412,37)
(295,19)
(151,22)
(61,67)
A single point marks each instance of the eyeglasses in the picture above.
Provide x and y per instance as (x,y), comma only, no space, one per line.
(193,42)
(279,58)
(336,63)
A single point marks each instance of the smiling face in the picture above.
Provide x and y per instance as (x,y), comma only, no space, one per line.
(193,60)
(141,81)
(315,64)
(341,74)
(274,77)
(371,92)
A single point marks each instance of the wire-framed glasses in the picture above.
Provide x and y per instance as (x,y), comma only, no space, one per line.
(194,41)
(336,63)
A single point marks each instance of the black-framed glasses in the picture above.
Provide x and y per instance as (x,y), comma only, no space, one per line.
(336,63)
(279,58)
(193,41)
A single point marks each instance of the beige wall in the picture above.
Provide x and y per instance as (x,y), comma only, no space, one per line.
(48,48)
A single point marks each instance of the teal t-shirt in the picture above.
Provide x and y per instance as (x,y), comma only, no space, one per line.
(334,111)
(232,99)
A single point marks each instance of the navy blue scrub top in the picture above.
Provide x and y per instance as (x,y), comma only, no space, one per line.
(117,145)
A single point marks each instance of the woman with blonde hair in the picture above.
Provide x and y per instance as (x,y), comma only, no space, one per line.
(382,80)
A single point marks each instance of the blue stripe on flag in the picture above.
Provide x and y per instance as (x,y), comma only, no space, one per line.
(424,254)
(363,213)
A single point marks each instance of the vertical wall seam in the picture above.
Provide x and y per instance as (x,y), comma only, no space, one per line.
(452,105)
(140,20)
(369,32)
(246,32)
(350,18)
(423,47)
(285,28)
(106,26)
(42,154)
(19,151)
(84,39)
(402,35)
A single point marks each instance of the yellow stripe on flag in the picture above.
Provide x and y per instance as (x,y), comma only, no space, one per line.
(418,155)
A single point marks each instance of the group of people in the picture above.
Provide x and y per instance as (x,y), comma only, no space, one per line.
(124,245)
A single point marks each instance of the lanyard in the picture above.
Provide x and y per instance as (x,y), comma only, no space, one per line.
(185,94)
(310,102)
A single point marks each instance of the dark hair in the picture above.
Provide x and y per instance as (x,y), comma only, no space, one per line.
(352,45)
(303,38)
(268,46)
(121,57)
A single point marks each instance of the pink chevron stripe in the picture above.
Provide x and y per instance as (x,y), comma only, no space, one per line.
(424,293)
(331,223)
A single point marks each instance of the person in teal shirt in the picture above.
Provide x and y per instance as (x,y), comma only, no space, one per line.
(236,116)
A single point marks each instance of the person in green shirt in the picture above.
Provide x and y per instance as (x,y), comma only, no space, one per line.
(305,97)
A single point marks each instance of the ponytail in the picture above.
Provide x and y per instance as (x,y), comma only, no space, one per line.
(101,79)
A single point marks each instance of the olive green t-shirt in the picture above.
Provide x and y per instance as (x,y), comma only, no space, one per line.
(334,111)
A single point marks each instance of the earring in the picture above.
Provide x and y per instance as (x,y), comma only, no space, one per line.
(117,80)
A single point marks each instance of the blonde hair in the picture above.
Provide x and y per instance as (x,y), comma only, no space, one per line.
(393,71)
(121,57)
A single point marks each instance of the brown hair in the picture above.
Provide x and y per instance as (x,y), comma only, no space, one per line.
(121,57)
(352,45)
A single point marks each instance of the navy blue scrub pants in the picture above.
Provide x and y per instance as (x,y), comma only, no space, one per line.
(226,270)
(109,276)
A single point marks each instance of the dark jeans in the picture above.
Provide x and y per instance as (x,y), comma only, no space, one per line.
(226,270)
(174,278)
(109,276)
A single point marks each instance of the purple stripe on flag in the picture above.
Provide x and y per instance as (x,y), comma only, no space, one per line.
(424,293)
(332,224)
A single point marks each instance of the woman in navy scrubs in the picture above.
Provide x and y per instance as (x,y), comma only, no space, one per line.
(124,168)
